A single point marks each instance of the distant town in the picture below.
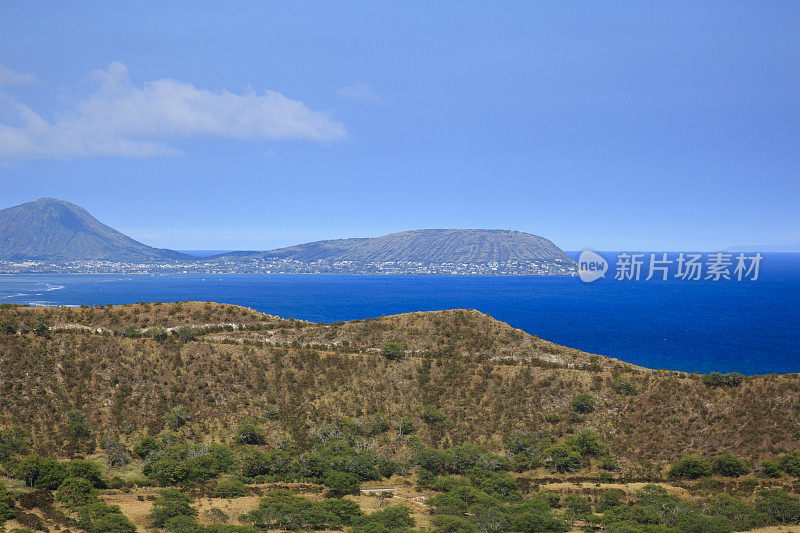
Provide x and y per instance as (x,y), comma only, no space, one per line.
(289,266)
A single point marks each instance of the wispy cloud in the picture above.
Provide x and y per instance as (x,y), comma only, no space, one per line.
(12,77)
(360,91)
(125,120)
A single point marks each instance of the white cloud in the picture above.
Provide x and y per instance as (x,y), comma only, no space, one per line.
(360,91)
(121,119)
(11,77)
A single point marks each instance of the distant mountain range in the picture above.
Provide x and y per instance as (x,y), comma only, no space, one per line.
(58,231)
(423,246)
(55,230)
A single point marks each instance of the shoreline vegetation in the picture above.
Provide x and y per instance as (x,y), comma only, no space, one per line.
(202,417)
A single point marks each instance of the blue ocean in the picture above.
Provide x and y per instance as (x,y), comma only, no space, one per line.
(747,326)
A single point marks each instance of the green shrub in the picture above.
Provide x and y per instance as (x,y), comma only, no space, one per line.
(52,474)
(113,523)
(42,473)
(741,516)
(393,351)
(778,506)
(185,464)
(405,426)
(342,483)
(88,470)
(433,460)
(158,334)
(500,484)
(7,327)
(609,499)
(624,386)
(347,511)
(28,469)
(468,456)
(577,505)
(229,528)
(715,379)
(230,488)
(185,333)
(552,499)
(75,492)
(91,513)
(6,508)
(790,463)
(280,509)
(253,463)
(183,524)
(453,524)
(582,404)
(521,442)
(729,466)
(448,504)
(586,442)
(309,466)
(374,425)
(170,504)
(608,462)
(13,441)
(703,523)
(396,517)
(249,433)
(41,327)
(562,458)
(78,425)
(689,467)
(605,477)
(432,416)
(770,468)
(538,523)
(130,332)
(145,446)
(177,417)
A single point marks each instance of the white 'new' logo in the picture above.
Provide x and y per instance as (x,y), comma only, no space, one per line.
(591,266)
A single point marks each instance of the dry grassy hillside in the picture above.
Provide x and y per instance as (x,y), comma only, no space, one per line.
(486,378)
(141,315)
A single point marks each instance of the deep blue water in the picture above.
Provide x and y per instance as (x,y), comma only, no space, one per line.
(750,326)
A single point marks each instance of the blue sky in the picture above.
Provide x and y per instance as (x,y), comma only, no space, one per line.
(624,125)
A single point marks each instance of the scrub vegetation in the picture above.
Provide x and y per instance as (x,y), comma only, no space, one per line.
(193,416)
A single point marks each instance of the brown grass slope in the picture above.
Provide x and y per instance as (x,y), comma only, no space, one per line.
(488,378)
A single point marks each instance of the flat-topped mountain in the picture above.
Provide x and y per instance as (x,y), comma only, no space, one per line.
(50,229)
(425,246)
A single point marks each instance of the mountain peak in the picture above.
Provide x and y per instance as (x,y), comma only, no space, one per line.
(57,230)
